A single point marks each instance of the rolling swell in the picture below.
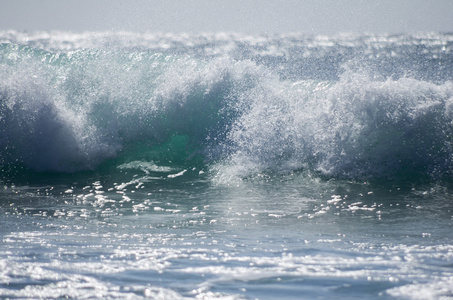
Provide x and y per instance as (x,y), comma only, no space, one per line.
(74,111)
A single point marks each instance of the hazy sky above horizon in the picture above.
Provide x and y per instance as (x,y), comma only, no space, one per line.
(248,16)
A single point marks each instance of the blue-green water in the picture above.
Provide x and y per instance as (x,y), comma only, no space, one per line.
(225,166)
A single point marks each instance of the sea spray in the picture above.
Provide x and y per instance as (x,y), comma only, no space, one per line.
(357,128)
(74,114)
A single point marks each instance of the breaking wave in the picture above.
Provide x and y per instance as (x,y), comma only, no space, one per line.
(76,110)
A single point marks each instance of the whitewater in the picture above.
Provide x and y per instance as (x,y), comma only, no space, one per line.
(226,166)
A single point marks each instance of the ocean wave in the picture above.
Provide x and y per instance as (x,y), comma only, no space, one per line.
(357,127)
(74,110)
(70,112)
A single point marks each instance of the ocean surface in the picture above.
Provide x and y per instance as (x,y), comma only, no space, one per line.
(226,166)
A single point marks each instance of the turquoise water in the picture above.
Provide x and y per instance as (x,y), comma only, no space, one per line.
(225,166)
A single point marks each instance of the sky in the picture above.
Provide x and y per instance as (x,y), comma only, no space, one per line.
(246,16)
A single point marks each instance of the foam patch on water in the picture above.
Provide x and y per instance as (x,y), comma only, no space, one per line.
(146,167)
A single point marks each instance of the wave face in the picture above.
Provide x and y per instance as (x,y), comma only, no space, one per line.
(355,107)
